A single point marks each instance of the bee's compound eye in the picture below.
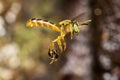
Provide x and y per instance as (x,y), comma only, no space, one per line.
(75,28)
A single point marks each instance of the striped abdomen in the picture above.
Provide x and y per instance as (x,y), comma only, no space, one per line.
(42,23)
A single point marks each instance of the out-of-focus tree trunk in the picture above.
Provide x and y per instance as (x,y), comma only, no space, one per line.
(106,35)
(93,54)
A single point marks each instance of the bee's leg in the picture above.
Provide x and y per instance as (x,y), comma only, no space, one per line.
(59,41)
(63,43)
(52,46)
(54,56)
(53,52)
(71,31)
(52,61)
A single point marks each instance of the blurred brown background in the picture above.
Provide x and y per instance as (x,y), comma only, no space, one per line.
(94,54)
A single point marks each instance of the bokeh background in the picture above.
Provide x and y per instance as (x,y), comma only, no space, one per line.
(94,54)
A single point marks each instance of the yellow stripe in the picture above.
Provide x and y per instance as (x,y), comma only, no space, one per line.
(40,23)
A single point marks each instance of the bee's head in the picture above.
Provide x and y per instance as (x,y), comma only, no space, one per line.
(75,27)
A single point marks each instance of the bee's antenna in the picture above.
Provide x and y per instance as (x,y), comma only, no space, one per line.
(85,22)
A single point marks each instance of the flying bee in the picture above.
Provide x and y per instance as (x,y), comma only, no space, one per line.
(64,27)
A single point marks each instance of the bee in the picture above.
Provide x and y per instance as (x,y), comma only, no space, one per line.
(64,27)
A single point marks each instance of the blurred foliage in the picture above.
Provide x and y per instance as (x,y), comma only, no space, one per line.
(23,51)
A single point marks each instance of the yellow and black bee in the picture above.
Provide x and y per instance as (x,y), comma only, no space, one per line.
(64,27)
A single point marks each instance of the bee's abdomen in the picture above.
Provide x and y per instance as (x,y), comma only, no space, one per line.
(42,23)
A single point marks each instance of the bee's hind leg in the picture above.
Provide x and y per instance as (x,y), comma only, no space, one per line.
(54,51)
